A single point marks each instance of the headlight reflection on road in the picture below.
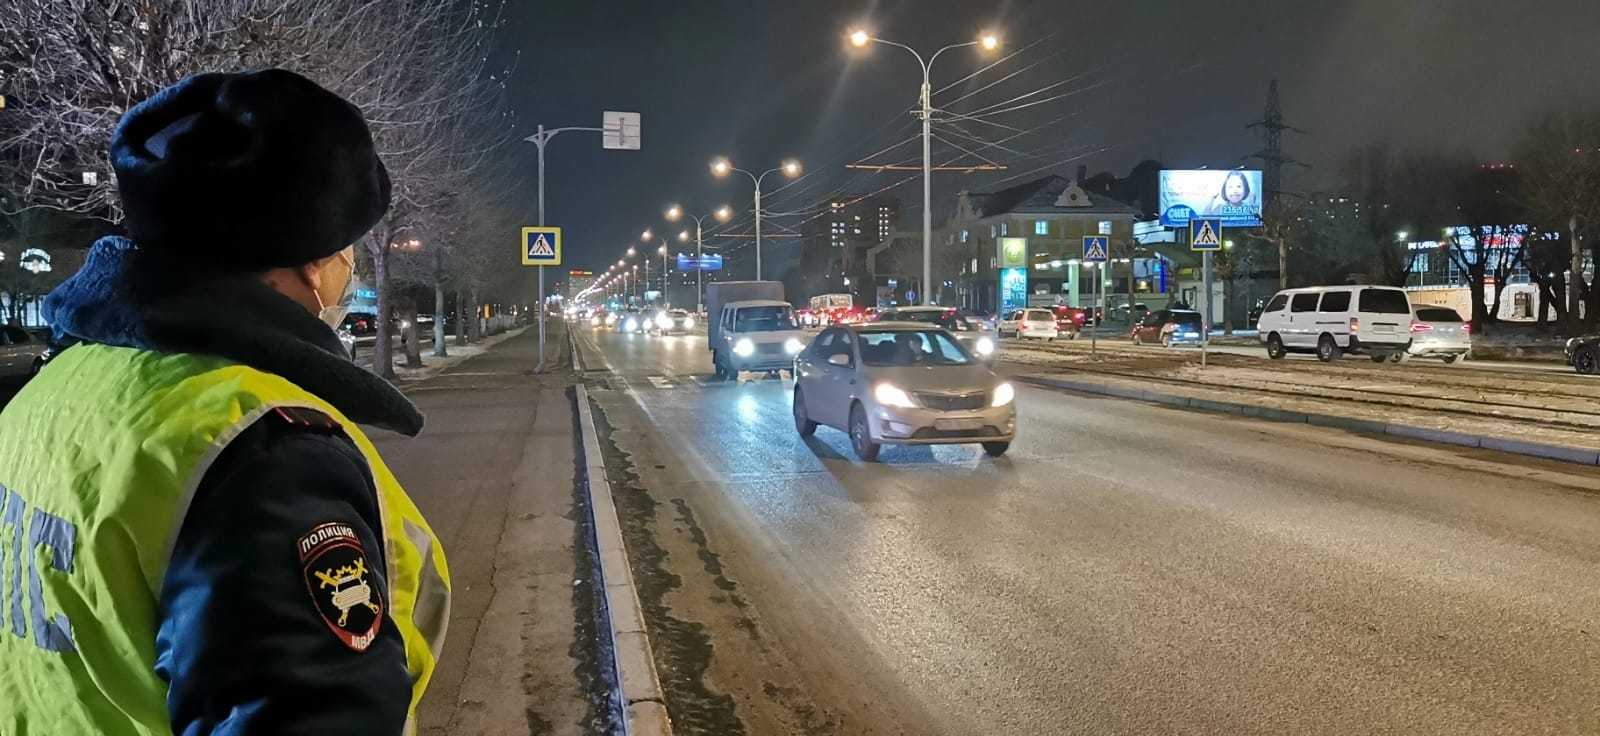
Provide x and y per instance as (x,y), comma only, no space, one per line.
(749,410)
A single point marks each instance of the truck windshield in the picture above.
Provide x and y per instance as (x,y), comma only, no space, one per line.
(764,319)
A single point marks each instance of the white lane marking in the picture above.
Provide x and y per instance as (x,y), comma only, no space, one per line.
(660,382)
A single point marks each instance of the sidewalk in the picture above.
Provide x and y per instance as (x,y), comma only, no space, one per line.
(493,472)
(433,365)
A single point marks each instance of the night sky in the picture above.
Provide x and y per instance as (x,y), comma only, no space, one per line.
(1174,81)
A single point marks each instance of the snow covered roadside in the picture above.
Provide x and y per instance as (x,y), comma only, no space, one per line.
(1503,427)
(432,366)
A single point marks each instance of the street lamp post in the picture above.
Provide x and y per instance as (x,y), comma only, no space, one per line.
(789,167)
(989,42)
(722,214)
(663,252)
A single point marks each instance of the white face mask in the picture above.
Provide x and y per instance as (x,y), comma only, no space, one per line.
(341,272)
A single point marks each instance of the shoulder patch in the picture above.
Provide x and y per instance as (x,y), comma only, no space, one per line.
(334,565)
(300,416)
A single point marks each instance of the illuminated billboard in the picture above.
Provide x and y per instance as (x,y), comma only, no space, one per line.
(1231,194)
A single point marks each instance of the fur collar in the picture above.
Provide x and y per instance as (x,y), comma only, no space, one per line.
(121,298)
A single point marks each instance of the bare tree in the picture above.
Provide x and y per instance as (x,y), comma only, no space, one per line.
(1559,165)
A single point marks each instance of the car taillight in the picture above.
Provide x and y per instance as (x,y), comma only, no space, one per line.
(1466,327)
(1421,327)
(1355,324)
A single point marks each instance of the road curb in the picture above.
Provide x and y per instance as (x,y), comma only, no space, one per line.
(1577,455)
(638,683)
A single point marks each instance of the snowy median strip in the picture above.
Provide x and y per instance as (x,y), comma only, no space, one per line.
(638,680)
(1579,455)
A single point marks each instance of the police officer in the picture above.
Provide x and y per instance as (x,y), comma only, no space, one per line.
(195,535)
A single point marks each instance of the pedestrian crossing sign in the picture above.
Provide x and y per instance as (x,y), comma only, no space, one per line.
(1096,249)
(541,246)
(1205,234)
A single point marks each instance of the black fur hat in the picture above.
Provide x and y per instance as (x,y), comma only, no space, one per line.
(247,172)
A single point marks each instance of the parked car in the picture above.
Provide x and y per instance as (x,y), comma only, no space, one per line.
(1140,311)
(1168,327)
(1583,354)
(1025,323)
(1332,320)
(901,383)
(21,352)
(967,329)
(1438,332)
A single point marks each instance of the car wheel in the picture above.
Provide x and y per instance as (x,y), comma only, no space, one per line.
(1587,360)
(1328,350)
(1137,340)
(38,365)
(1451,358)
(1380,358)
(996,449)
(1166,341)
(802,420)
(1397,358)
(1275,349)
(861,436)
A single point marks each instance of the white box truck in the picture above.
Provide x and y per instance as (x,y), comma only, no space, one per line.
(749,327)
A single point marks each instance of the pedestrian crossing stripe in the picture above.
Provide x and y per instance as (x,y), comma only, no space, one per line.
(1206,234)
(541,246)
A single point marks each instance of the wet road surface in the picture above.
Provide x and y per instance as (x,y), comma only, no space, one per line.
(1129,568)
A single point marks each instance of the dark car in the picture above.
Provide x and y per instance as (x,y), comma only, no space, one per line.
(1583,354)
(1168,327)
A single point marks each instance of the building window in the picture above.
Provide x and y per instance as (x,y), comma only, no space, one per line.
(993,231)
(1041,227)
(963,236)
(1105,227)
(1003,229)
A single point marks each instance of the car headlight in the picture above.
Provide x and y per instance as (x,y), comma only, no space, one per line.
(688,323)
(630,325)
(744,348)
(594,321)
(1003,394)
(889,394)
(664,322)
(984,346)
(793,346)
(611,319)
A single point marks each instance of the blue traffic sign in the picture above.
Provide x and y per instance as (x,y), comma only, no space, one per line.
(1096,248)
(1205,234)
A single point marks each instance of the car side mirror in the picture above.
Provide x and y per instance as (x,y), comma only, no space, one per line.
(839,359)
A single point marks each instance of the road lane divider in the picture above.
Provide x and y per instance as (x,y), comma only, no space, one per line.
(638,682)
(1564,453)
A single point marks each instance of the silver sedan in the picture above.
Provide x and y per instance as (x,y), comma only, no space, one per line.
(904,384)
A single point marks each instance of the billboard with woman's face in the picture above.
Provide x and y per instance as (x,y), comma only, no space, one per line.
(1233,195)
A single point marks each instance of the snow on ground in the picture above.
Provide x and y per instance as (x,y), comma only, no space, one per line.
(1552,408)
(431,365)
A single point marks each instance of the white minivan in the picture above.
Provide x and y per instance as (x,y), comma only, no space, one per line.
(1333,320)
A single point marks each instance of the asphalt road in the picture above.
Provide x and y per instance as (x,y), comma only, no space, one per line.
(1129,569)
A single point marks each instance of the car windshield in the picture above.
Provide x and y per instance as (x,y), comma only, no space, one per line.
(764,319)
(679,313)
(1438,314)
(911,347)
(1187,319)
(944,318)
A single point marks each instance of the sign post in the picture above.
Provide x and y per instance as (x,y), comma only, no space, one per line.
(541,246)
(1205,235)
(1096,252)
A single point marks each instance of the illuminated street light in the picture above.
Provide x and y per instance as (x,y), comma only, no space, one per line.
(989,42)
(789,167)
(722,214)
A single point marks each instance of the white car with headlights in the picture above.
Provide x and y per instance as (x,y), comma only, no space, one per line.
(901,383)
(672,322)
(973,333)
(756,335)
